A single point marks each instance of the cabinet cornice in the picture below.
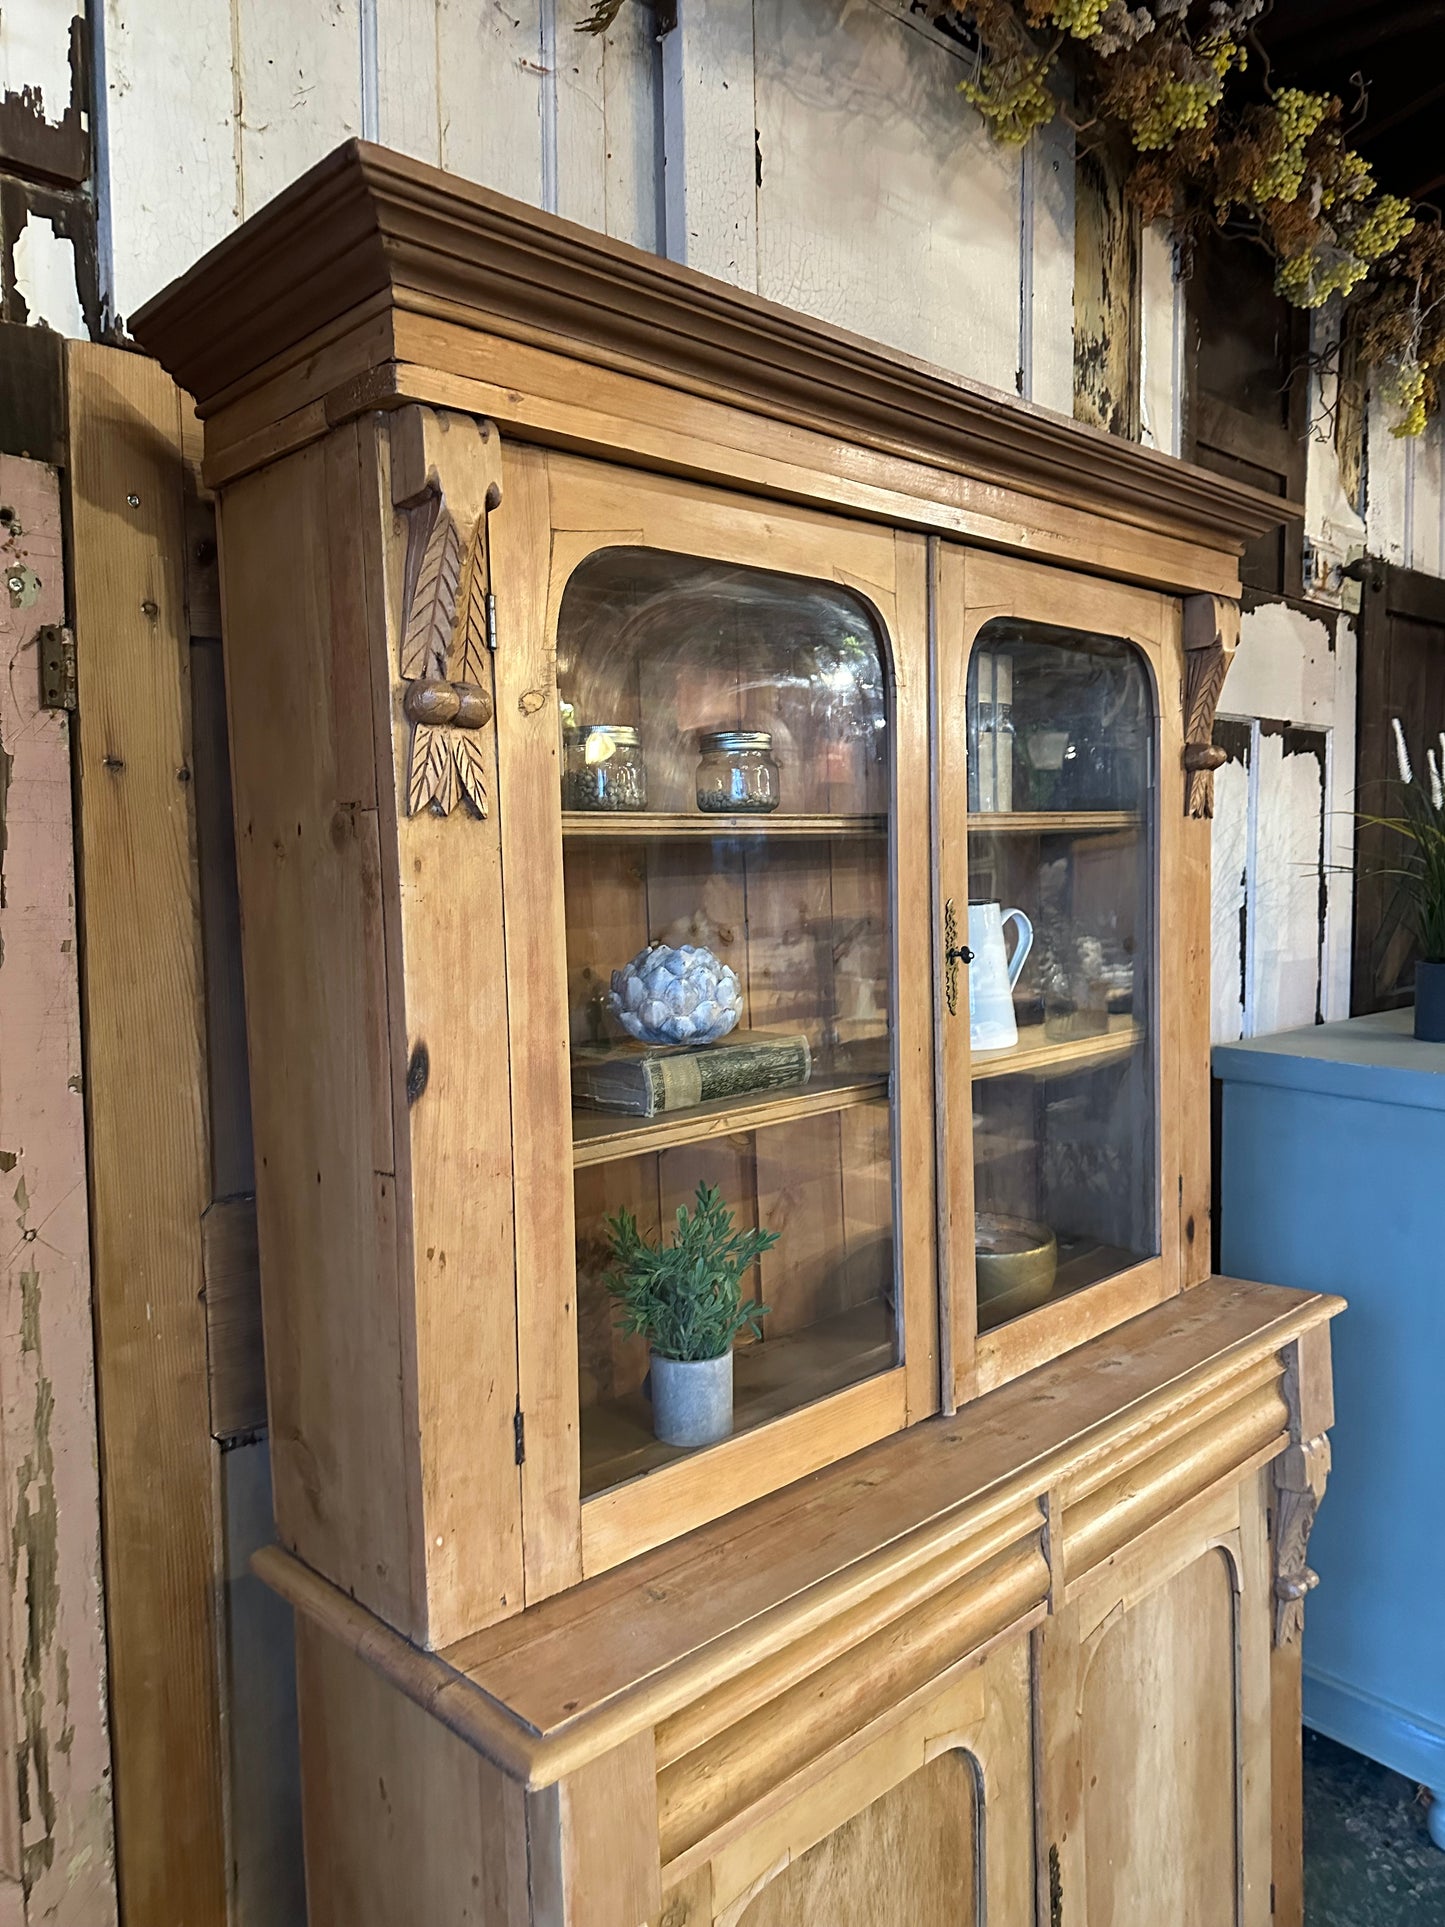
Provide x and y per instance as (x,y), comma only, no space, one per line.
(368,233)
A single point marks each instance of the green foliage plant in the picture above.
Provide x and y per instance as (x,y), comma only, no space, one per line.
(686,1297)
(1420,825)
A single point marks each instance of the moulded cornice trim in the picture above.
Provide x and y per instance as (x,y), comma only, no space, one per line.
(366,222)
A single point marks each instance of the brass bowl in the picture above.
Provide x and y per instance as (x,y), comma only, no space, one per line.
(1015,1263)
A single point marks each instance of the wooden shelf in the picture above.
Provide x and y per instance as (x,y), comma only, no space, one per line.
(1049,822)
(1035,1054)
(770,1378)
(696,823)
(601,1137)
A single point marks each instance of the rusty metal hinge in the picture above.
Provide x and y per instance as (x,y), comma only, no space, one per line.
(519,1436)
(56,646)
(491,622)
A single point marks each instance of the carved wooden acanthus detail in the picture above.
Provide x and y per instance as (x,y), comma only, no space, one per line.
(445,648)
(1299,1479)
(1211,633)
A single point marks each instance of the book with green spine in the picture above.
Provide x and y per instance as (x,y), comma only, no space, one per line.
(644,1079)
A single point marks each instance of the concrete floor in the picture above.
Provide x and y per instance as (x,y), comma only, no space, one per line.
(1368,1859)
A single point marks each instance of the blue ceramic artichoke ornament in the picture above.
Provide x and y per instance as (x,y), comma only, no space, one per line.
(679,994)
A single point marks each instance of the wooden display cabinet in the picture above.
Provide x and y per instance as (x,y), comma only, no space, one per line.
(512,519)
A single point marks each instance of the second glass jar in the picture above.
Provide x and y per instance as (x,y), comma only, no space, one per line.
(737,771)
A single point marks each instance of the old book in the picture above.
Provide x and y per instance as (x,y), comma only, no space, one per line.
(643,1079)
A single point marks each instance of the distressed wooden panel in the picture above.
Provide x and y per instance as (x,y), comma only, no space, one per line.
(1161,342)
(408,97)
(172,152)
(908,1860)
(300,89)
(1106,299)
(55,1807)
(149,1165)
(490,83)
(1229,882)
(883,205)
(709,130)
(45,90)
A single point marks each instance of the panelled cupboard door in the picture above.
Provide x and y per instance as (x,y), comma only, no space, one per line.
(713,784)
(1057,719)
(928,1824)
(1152,1691)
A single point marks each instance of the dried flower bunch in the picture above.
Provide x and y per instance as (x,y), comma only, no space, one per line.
(1420,824)
(1156,77)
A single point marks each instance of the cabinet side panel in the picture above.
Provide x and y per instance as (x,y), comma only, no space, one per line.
(308,846)
(449,1000)
(403,1822)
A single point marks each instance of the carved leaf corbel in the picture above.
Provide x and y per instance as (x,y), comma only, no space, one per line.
(1301,1473)
(1211,632)
(446,622)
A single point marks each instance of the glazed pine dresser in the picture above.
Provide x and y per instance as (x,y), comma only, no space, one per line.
(989,1607)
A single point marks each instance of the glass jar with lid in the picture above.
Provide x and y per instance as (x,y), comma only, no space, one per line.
(602,768)
(737,771)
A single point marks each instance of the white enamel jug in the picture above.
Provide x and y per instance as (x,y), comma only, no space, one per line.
(993,974)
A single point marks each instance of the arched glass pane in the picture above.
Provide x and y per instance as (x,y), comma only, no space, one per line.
(1063,991)
(727,795)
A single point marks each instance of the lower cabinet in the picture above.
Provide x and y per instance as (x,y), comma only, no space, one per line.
(1109,1770)
(1034,1665)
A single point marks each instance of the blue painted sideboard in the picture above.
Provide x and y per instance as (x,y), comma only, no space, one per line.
(1332,1175)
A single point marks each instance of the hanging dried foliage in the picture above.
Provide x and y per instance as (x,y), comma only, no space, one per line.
(1181,86)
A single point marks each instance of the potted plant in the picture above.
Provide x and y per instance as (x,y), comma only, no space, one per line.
(686,1299)
(1421,874)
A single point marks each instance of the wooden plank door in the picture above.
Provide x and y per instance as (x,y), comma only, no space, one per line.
(56,1831)
(1401,675)
(201,1676)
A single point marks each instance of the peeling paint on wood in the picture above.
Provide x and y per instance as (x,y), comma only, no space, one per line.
(45,76)
(49,268)
(1106,299)
(56,1843)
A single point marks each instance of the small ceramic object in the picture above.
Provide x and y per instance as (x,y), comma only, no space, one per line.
(992,975)
(676,995)
(1015,1262)
(737,771)
(692,1399)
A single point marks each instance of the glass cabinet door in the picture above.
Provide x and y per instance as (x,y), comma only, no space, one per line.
(727,796)
(1061,986)
(1051,865)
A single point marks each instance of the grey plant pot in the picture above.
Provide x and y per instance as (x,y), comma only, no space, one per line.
(692,1399)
